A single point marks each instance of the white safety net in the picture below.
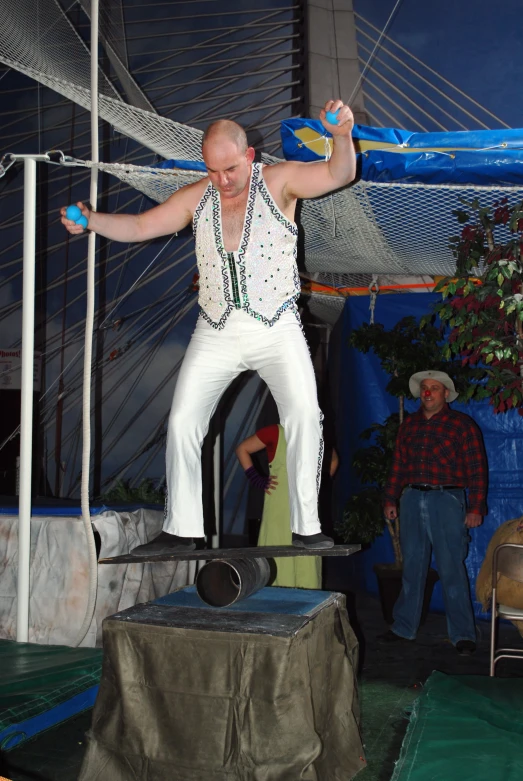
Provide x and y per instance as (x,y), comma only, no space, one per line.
(326,308)
(368,228)
(46,47)
(390,228)
(112,34)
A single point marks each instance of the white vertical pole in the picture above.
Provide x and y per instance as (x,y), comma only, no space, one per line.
(89,320)
(26,417)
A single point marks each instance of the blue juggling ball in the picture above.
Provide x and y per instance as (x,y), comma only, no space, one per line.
(83,221)
(73,213)
(332,118)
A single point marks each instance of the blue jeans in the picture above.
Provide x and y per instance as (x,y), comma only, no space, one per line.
(434,519)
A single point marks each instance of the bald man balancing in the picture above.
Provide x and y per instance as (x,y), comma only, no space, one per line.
(439,455)
(243,221)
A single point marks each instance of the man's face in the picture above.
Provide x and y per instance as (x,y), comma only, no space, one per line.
(228,167)
(433,395)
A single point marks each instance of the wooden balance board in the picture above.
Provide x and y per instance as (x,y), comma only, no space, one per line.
(223,554)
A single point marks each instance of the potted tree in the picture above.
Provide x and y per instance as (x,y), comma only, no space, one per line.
(406,348)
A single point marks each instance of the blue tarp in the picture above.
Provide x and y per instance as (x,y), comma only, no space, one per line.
(187,165)
(273,599)
(72,510)
(485,157)
(365,402)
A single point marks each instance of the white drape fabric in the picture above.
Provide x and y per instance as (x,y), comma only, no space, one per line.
(60,573)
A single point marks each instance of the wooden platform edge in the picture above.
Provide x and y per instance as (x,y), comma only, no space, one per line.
(230,554)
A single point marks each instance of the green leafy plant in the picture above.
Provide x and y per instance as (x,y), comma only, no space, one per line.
(363,519)
(483,304)
(411,346)
(143,493)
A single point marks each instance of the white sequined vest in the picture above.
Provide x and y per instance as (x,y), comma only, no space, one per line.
(262,277)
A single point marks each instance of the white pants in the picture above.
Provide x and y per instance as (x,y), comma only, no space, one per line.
(213,359)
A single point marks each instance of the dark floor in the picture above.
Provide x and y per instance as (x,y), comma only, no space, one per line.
(391,676)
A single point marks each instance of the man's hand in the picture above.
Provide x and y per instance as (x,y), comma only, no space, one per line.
(345,118)
(71,225)
(295,179)
(473,519)
(390,512)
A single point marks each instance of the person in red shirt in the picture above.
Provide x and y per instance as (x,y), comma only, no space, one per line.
(439,458)
(302,571)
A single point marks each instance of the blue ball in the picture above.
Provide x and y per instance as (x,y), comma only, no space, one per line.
(73,213)
(83,221)
(332,118)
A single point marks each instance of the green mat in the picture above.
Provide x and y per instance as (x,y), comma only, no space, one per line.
(35,678)
(464,727)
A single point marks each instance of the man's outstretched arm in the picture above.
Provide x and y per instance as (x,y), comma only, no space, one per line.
(169,217)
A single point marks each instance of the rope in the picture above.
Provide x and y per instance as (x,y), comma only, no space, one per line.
(411,85)
(376,47)
(88,348)
(130,290)
(412,121)
(130,345)
(146,404)
(17,429)
(374,289)
(113,369)
(435,73)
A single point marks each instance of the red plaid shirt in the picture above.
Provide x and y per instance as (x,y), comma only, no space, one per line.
(446,449)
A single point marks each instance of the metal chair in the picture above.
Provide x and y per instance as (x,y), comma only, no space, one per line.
(507,561)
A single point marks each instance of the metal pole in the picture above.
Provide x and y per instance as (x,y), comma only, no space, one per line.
(89,319)
(26,416)
(217,459)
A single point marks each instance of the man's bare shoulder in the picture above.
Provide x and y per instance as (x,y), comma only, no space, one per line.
(195,192)
(281,172)
(190,194)
(277,176)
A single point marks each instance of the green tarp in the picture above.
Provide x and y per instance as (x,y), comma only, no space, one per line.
(465,727)
(215,695)
(35,678)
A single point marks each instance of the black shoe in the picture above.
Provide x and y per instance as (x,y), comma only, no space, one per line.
(164,543)
(313,541)
(465,647)
(391,637)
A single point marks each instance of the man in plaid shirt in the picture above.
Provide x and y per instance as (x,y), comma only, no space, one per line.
(439,455)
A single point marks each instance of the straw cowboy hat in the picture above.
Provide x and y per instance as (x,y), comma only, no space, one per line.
(416,380)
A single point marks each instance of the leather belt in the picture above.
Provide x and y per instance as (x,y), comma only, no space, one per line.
(427,487)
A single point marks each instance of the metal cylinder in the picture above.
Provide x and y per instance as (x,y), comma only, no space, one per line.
(222,582)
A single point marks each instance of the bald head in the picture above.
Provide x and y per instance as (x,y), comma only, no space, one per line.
(227,157)
(226,130)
